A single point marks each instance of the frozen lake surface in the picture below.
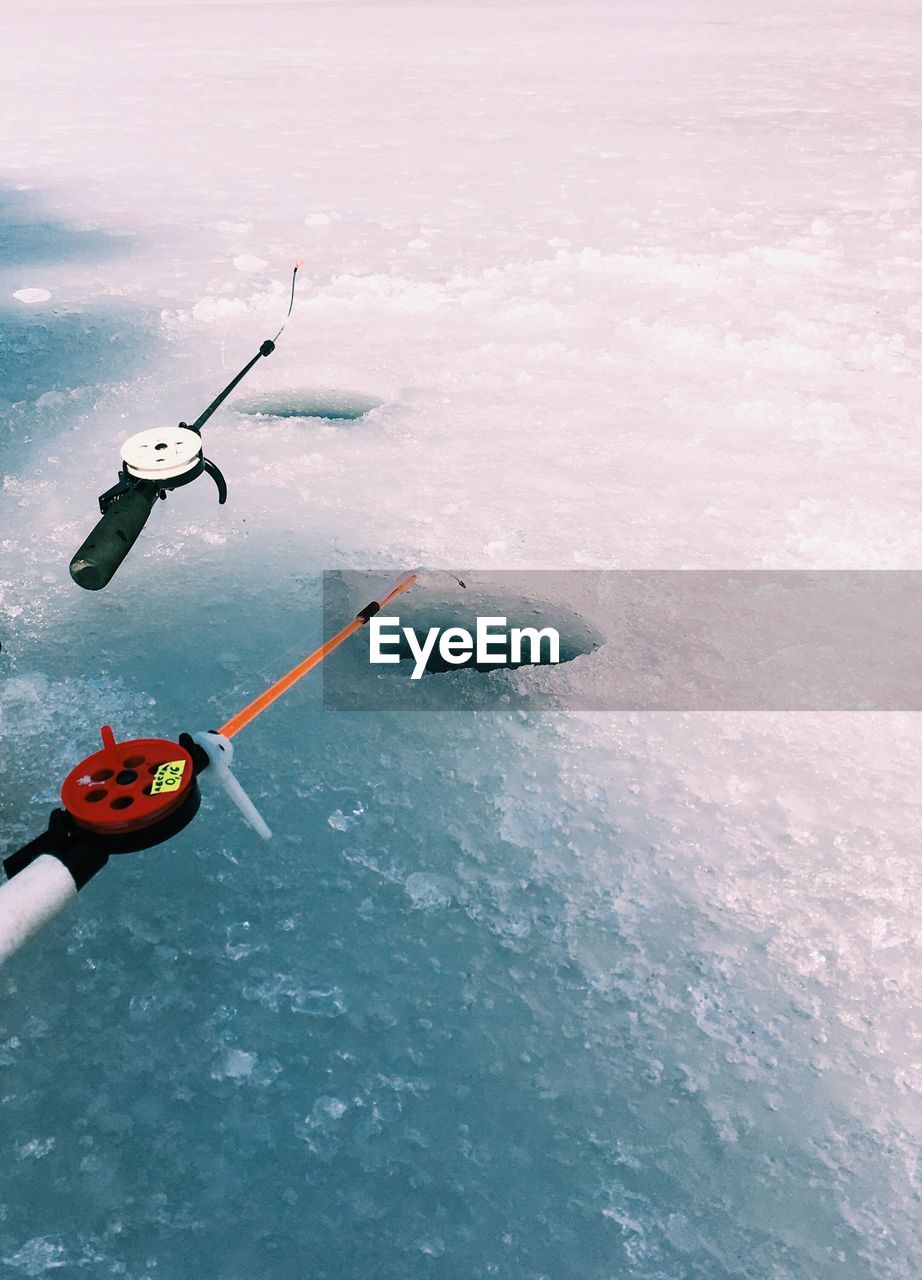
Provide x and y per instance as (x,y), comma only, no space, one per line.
(534,995)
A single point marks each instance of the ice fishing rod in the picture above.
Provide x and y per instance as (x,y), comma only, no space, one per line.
(133,795)
(154,462)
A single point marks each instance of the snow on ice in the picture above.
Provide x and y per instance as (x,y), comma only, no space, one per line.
(582,996)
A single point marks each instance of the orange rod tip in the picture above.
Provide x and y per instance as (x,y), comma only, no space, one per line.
(250,712)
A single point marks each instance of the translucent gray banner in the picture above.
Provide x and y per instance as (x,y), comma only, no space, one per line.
(635,640)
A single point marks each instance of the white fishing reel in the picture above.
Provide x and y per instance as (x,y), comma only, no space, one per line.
(162,453)
(161,459)
(153,463)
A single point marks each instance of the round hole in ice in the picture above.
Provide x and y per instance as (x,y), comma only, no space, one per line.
(327,404)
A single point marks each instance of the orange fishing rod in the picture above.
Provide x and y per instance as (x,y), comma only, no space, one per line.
(133,795)
(250,712)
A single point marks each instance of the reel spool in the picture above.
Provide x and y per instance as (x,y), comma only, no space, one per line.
(164,454)
(133,794)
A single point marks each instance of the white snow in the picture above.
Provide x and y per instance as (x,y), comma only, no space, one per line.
(249,263)
(635,286)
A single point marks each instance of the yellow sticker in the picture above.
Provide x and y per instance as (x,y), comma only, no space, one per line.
(168,777)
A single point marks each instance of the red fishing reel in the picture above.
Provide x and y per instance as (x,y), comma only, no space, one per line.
(136,793)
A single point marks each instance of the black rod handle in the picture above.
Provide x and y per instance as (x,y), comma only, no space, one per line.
(115,534)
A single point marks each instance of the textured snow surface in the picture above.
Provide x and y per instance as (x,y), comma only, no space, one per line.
(535,995)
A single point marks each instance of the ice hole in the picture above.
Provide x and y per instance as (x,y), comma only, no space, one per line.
(327,404)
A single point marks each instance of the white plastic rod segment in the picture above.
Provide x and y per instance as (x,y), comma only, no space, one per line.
(31,899)
(220,751)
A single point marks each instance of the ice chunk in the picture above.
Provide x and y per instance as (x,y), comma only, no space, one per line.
(248,262)
(430,892)
(237,1065)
